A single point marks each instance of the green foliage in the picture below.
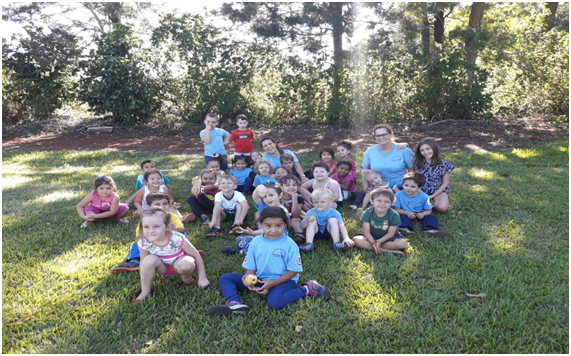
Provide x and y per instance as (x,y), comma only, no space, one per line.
(116,79)
(215,68)
(40,72)
(510,242)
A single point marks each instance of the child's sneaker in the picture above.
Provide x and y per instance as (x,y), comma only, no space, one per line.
(188,218)
(338,246)
(123,221)
(306,247)
(346,247)
(231,250)
(316,289)
(437,233)
(406,232)
(215,231)
(85,224)
(353,207)
(205,219)
(359,212)
(299,238)
(228,309)
(126,267)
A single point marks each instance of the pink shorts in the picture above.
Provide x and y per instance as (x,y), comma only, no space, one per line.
(169,270)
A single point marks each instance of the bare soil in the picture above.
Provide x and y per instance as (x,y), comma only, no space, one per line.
(452,135)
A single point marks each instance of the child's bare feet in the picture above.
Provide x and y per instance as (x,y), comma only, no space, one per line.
(139,298)
(395,252)
(188,281)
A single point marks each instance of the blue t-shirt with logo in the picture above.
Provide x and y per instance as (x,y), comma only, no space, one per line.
(416,204)
(272,258)
(392,166)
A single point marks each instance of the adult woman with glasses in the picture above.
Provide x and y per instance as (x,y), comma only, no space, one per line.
(387,158)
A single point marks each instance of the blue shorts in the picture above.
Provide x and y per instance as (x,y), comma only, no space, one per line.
(397,236)
(323,235)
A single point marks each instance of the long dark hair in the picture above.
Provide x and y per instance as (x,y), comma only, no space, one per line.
(271,139)
(419,158)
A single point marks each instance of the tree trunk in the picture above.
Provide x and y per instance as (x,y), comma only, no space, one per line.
(439,27)
(475,23)
(550,18)
(336,11)
(425,31)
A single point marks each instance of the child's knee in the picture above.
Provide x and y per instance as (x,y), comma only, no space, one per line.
(441,208)
(150,261)
(184,266)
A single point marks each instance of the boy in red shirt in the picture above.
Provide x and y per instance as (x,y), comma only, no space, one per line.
(242,137)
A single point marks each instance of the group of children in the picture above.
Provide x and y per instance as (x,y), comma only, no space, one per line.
(272,259)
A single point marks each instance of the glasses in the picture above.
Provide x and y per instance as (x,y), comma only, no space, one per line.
(382,135)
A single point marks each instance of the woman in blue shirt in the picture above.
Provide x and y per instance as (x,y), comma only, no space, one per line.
(273,154)
(387,158)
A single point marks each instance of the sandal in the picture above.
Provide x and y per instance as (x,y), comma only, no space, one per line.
(188,218)
(136,301)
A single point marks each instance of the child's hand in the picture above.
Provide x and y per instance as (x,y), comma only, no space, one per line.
(238,222)
(377,246)
(261,191)
(420,216)
(203,283)
(312,219)
(89,216)
(266,286)
(176,205)
(411,215)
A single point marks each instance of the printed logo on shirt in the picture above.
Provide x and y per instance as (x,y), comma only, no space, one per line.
(396,158)
(279,253)
(418,207)
(241,136)
(298,260)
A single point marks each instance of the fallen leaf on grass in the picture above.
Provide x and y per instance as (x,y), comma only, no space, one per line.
(479,295)
(26,284)
(24,318)
(298,328)
(149,342)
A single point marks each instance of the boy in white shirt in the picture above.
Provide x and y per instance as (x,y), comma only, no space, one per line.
(228,203)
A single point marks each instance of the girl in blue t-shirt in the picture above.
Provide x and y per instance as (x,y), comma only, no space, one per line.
(243,174)
(272,267)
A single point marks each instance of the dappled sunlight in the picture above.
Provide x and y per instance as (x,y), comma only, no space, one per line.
(482,174)
(76,262)
(364,294)
(476,188)
(55,196)
(12,182)
(498,156)
(525,153)
(507,237)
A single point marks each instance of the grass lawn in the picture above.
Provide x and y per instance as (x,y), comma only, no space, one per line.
(509,217)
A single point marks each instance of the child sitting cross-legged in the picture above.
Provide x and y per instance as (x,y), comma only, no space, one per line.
(324,222)
(228,204)
(413,204)
(380,225)
(273,259)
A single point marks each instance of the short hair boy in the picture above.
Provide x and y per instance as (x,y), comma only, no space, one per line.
(324,222)
(214,139)
(228,203)
(413,204)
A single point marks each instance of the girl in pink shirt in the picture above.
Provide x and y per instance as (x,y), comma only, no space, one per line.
(102,203)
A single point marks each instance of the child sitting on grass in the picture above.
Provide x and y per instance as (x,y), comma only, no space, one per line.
(293,202)
(146,166)
(265,195)
(102,203)
(244,175)
(413,204)
(263,171)
(153,184)
(276,277)
(160,200)
(201,199)
(327,156)
(321,180)
(324,222)
(287,162)
(346,181)
(228,204)
(380,225)
(371,181)
(167,252)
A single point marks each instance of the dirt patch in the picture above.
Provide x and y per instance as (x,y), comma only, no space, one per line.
(452,136)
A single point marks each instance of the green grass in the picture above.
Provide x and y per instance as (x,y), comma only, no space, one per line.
(509,217)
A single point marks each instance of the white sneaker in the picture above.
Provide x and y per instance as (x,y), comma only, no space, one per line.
(123,221)
(85,224)
(353,207)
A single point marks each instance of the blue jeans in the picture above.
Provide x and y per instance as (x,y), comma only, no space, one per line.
(429,222)
(278,297)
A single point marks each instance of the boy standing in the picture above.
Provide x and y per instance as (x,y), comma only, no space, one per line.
(242,137)
(412,204)
(323,222)
(214,139)
(228,203)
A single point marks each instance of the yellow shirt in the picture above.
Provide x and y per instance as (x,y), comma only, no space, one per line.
(175,220)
